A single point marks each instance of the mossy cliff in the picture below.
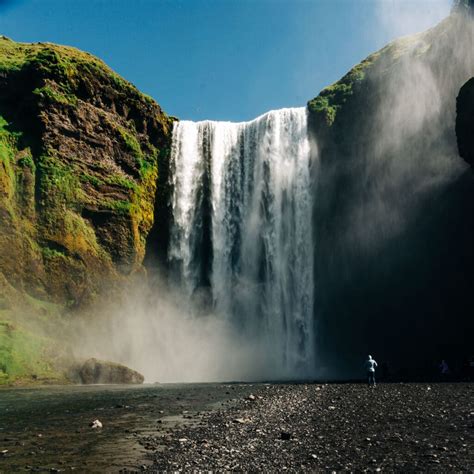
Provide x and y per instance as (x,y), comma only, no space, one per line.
(81,155)
(80,151)
(394,210)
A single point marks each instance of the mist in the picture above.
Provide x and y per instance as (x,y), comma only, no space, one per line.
(390,195)
(156,332)
(410,147)
(396,18)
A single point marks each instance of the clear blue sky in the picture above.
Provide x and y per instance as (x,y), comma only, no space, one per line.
(223,59)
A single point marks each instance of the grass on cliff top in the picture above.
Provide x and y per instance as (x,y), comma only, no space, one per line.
(64,62)
(331,99)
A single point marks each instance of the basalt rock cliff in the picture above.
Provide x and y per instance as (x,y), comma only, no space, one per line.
(81,159)
(394,217)
(80,156)
(465,121)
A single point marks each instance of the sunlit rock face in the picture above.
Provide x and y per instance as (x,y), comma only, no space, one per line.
(80,150)
(241,235)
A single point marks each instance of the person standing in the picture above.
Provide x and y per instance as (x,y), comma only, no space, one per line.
(444,369)
(370,366)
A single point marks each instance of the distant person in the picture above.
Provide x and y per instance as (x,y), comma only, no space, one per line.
(444,368)
(370,366)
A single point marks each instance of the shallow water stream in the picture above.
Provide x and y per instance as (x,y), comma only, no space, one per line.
(46,429)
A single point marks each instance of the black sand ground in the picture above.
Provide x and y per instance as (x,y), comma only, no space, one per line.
(394,427)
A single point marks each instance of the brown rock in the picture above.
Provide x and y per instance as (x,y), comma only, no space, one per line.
(95,371)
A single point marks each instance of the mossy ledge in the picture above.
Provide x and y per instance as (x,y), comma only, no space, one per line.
(80,165)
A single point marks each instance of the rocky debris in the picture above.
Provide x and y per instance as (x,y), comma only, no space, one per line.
(95,371)
(96,424)
(395,427)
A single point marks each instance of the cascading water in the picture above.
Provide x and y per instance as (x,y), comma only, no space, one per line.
(241,235)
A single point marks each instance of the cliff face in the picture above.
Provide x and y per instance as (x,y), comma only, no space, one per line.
(465,121)
(83,158)
(81,152)
(394,216)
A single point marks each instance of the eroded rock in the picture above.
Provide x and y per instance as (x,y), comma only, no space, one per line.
(95,371)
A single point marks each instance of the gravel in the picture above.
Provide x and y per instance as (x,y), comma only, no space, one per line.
(330,427)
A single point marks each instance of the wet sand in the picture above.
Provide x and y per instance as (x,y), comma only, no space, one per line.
(47,429)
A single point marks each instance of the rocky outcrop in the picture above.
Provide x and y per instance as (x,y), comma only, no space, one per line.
(81,152)
(394,214)
(95,371)
(465,121)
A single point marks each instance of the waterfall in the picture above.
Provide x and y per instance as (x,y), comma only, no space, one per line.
(241,235)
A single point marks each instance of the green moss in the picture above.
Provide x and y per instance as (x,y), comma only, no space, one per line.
(8,151)
(48,93)
(113,180)
(59,184)
(12,56)
(3,124)
(131,143)
(333,98)
(122,181)
(66,65)
(46,308)
(120,206)
(23,355)
(27,161)
(88,178)
(51,253)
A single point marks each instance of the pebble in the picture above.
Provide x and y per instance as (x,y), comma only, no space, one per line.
(331,431)
(96,424)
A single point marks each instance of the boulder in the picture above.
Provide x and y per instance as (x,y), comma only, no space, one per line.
(95,371)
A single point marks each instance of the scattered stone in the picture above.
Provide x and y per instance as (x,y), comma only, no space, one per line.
(365,433)
(242,421)
(96,424)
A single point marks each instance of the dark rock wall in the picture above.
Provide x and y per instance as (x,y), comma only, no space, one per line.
(465,121)
(394,213)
